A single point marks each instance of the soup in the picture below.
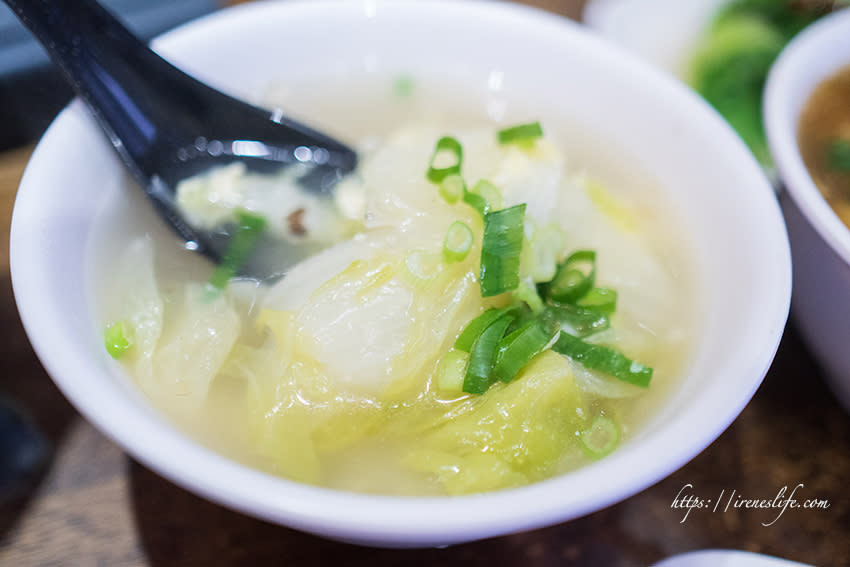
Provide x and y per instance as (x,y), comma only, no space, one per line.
(824,139)
(496,303)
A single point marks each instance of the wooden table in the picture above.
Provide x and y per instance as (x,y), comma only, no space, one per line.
(96,506)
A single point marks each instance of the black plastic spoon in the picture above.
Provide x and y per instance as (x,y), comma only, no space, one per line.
(168,126)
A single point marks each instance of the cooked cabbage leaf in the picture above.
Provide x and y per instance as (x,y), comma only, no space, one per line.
(517,433)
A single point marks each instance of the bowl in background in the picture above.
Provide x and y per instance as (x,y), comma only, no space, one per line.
(705,174)
(820,242)
(644,28)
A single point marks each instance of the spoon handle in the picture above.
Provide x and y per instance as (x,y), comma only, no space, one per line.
(151,110)
(108,67)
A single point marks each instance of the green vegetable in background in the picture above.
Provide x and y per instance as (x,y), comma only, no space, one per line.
(730,66)
(788,17)
(729,71)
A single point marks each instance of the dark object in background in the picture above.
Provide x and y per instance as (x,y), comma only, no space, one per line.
(32,91)
(23,449)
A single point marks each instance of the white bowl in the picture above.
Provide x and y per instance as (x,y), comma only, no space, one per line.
(820,242)
(664,32)
(711,182)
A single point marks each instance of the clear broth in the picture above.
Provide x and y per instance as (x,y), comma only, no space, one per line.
(370,109)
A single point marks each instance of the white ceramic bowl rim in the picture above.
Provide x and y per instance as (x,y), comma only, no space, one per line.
(810,55)
(415,520)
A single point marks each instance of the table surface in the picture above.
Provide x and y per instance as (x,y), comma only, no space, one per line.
(93,505)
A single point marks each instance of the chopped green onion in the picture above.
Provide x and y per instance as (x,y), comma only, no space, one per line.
(457,243)
(477,202)
(526,292)
(118,339)
(581,321)
(422,266)
(500,250)
(520,133)
(574,279)
(403,86)
(248,231)
(601,299)
(518,348)
(603,359)
(521,316)
(451,370)
(838,155)
(452,188)
(601,437)
(490,193)
(477,326)
(482,356)
(447,147)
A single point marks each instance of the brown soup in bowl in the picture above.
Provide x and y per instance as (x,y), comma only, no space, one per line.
(824,140)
